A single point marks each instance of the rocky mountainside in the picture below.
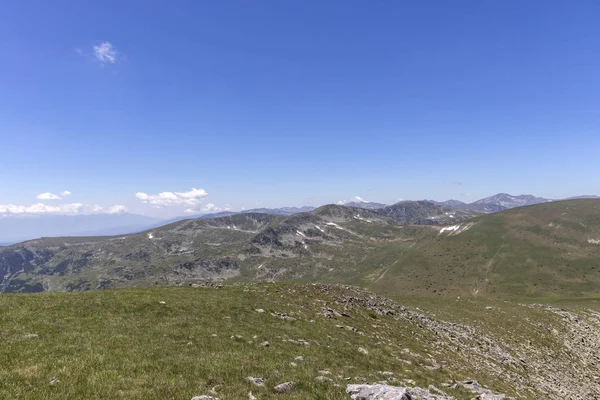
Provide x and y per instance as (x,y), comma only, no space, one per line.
(537,251)
(509,201)
(449,203)
(367,205)
(424,213)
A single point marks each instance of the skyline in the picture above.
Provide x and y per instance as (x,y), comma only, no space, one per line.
(192,199)
(202,107)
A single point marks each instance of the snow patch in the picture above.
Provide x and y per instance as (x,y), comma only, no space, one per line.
(450,228)
(362,219)
(150,236)
(334,225)
(319,228)
(456,229)
(594,241)
(299,233)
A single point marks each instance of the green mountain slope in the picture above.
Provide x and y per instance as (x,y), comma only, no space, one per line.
(543,250)
(180,342)
(550,249)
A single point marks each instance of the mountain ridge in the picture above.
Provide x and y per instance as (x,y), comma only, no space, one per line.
(539,250)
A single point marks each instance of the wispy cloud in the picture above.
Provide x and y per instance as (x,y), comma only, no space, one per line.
(47,196)
(65,193)
(466,194)
(210,207)
(106,53)
(116,209)
(40,208)
(353,199)
(192,197)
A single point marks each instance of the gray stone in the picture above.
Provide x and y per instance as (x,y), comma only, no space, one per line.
(386,392)
(284,387)
(203,397)
(256,381)
(30,336)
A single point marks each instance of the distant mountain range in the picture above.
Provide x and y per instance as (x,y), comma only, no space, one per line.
(367,205)
(420,247)
(16,228)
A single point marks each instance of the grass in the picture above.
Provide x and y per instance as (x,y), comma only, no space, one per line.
(125,344)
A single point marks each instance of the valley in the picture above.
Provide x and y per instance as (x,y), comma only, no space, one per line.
(537,251)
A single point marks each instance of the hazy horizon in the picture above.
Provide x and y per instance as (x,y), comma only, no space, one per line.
(203,107)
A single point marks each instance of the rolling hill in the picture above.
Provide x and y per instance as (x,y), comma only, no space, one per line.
(549,249)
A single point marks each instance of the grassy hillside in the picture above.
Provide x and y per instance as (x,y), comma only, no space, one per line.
(545,250)
(180,342)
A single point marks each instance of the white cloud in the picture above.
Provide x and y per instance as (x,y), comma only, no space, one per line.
(190,198)
(353,199)
(116,209)
(40,208)
(189,211)
(106,53)
(210,207)
(65,193)
(47,196)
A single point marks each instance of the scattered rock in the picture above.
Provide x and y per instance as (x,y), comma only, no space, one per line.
(284,387)
(53,381)
(259,310)
(489,308)
(256,381)
(293,364)
(381,392)
(265,343)
(363,350)
(162,302)
(323,379)
(250,396)
(299,358)
(204,397)
(283,316)
(30,336)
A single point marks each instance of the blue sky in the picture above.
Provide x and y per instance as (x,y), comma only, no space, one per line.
(273,103)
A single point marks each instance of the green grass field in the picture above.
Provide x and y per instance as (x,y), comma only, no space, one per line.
(125,344)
